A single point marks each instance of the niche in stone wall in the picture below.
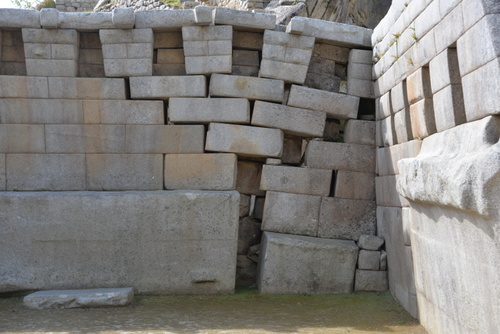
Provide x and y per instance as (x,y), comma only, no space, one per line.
(12,53)
(90,61)
(247,53)
(168,54)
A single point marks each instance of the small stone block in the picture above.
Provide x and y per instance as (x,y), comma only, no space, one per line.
(203,15)
(370,242)
(292,151)
(123,18)
(248,180)
(359,132)
(371,280)
(369,260)
(296,180)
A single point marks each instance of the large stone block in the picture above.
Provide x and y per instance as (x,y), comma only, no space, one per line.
(126,37)
(247,87)
(199,110)
(444,70)
(243,20)
(23,87)
(418,85)
(51,67)
(200,171)
(22,138)
(164,20)
(289,265)
(87,88)
(209,64)
(128,67)
(290,73)
(340,156)
(359,132)
(194,231)
(296,214)
(294,121)
(121,112)
(403,126)
(45,172)
(169,86)
(124,171)
(79,298)
(332,52)
(449,108)
(342,218)
(335,105)
(85,21)
(92,138)
(296,180)
(355,185)
(19,18)
(164,139)
(244,140)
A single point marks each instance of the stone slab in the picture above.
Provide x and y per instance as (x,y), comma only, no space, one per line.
(200,171)
(243,20)
(128,67)
(85,21)
(287,265)
(87,88)
(22,138)
(122,112)
(19,18)
(120,236)
(370,280)
(355,185)
(89,138)
(168,86)
(247,87)
(342,218)
(200,110)
(164,20)
(42,300)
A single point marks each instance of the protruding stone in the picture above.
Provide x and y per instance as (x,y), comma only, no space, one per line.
(203,15)
(123,18)
(49,18)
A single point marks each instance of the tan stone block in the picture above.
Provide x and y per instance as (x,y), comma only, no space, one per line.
(12,53)
(200,171)
(297,180)
(124,171)
(359,132)
(355,185)
(340,156)
(164,138)
(23,87)
(248,178)
(22,138)
(170,56)
(73,138)
(91,71)
(123,112)
(87,88)
(208,64)
(423,123)
(332,52)
(246,58)
(45,171)
(290,73)
(33,111)
(90,40)
(167,39)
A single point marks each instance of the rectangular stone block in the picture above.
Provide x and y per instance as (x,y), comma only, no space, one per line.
(122,112)
(292,150)
(444,69)
(371,280)
(386,192)
(22,138)
(19,18)
(423,122)
(86,21)
(359,71)
(355,185)
(244,140)
(360,88)
(170,56)
(163,70)
(128,67)
(76,138)
(37,172)
(50,36)
(200,171)
(243,20)
(120,36)
(51,68)
(207,33)
(399,96)
(321,65)
(209,64)
(196,236)
(384,106)
(15,53)
(326,82)
(90,56)
(164,139)
(294,121)
(449,108)
(246,58)
(341,218)
(201,110)
(247,40)
(167,40)
(23,87)
(168,86)
(87,88)
(282,269)
(296,180)
(388,157)
(418,85)
(248,178)
(33,111)
(288,40)
(332,52)
(369,260)
(361,57)
(359,132)
(2,172)
(340,156)
(290,73)
(339,106)
(79,298)
(124,171)
(247,87)
(402,126)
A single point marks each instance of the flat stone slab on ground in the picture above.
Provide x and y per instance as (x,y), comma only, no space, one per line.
(79,298)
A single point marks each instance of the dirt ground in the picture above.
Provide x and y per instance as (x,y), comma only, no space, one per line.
(244,312)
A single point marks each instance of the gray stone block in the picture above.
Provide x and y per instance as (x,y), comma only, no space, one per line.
(49,18)
(449,108)
(79,298)
(369,260)
(359,71)
(87,88)
(384,106)
(200,171)
(2,172)
(399,97)
(247,40)
(359,132)
(361,88)
(118,112)
(286,265)
(196,237)
(340,156)
(361,57)
(288,40)
(247,87)
(332,52)
(370,280)
(335,105)
(19,18)
(355,185)
(248,179)
(33,111)
(23,87)
(332,130)
(86,21)
(321,81)
(249,71)
(296,214)
(51,67)
(296,180)
(50,36)
(292,151)
(45,172)
(294,121)
(164,20)
(246,58)
(210,33)
(243,20)
(123,18)
(370,242)
(91,138)
(244,140)
(128,67)
(290,73)
(346,218)
(170,56)
(168,86)
(203,15)
(200,110)
(124,171)
(22,138)
(209,64)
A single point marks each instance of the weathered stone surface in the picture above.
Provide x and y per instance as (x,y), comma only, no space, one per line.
(322,81)
(45,172)
(386,192)
(170,56)
(200,171)
(449,108)
(418,85)
(292,151)
(340,156)
(244,140)
(123,18)
(370,242)
(86,21)
(290,73)
(164,20)
(423,122)
(355,185)
(79,298)
(91,138)
(249,233)
(359,132)
(346,218)
(19,18)
(248,40)
(296,180)
(399,97)
(369,260)
(200,110)
(124,171)
(196,237)
(203,15)
(247,87)
(23,87)
(245,204)
(118,112)
(22,138)
(335,105)
(370,280)
(291,213)
(332,52)
(458,168)
(87,88)
(51,67)
(361,88)
(246,58)
(171,39)
(402,126)
(444,70)
(248,178)
(2,172)
(282,268)
(388,157)
(169,86)
(294,121)
(243,20)
(407,221)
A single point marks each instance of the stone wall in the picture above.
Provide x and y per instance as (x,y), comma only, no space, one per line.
(76,5)
(169,112)
(437,71)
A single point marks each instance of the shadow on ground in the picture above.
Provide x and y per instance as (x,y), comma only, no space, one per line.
(244,312)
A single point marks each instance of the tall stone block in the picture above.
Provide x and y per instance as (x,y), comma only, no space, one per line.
(296,180)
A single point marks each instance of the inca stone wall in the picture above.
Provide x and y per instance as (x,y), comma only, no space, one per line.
(156,128)
(437,77)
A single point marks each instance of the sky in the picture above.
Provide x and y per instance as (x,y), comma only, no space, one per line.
(6,4)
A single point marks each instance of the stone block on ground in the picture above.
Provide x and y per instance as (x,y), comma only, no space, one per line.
(370,242)
(248,178)
(359,132)
(355,185)
(286,265)
(291,213)
(200,171)
(371,280)
(342,218)
(79,298)
(247,87)
(369,260)
(206,110)
(167,86)
(297,180)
